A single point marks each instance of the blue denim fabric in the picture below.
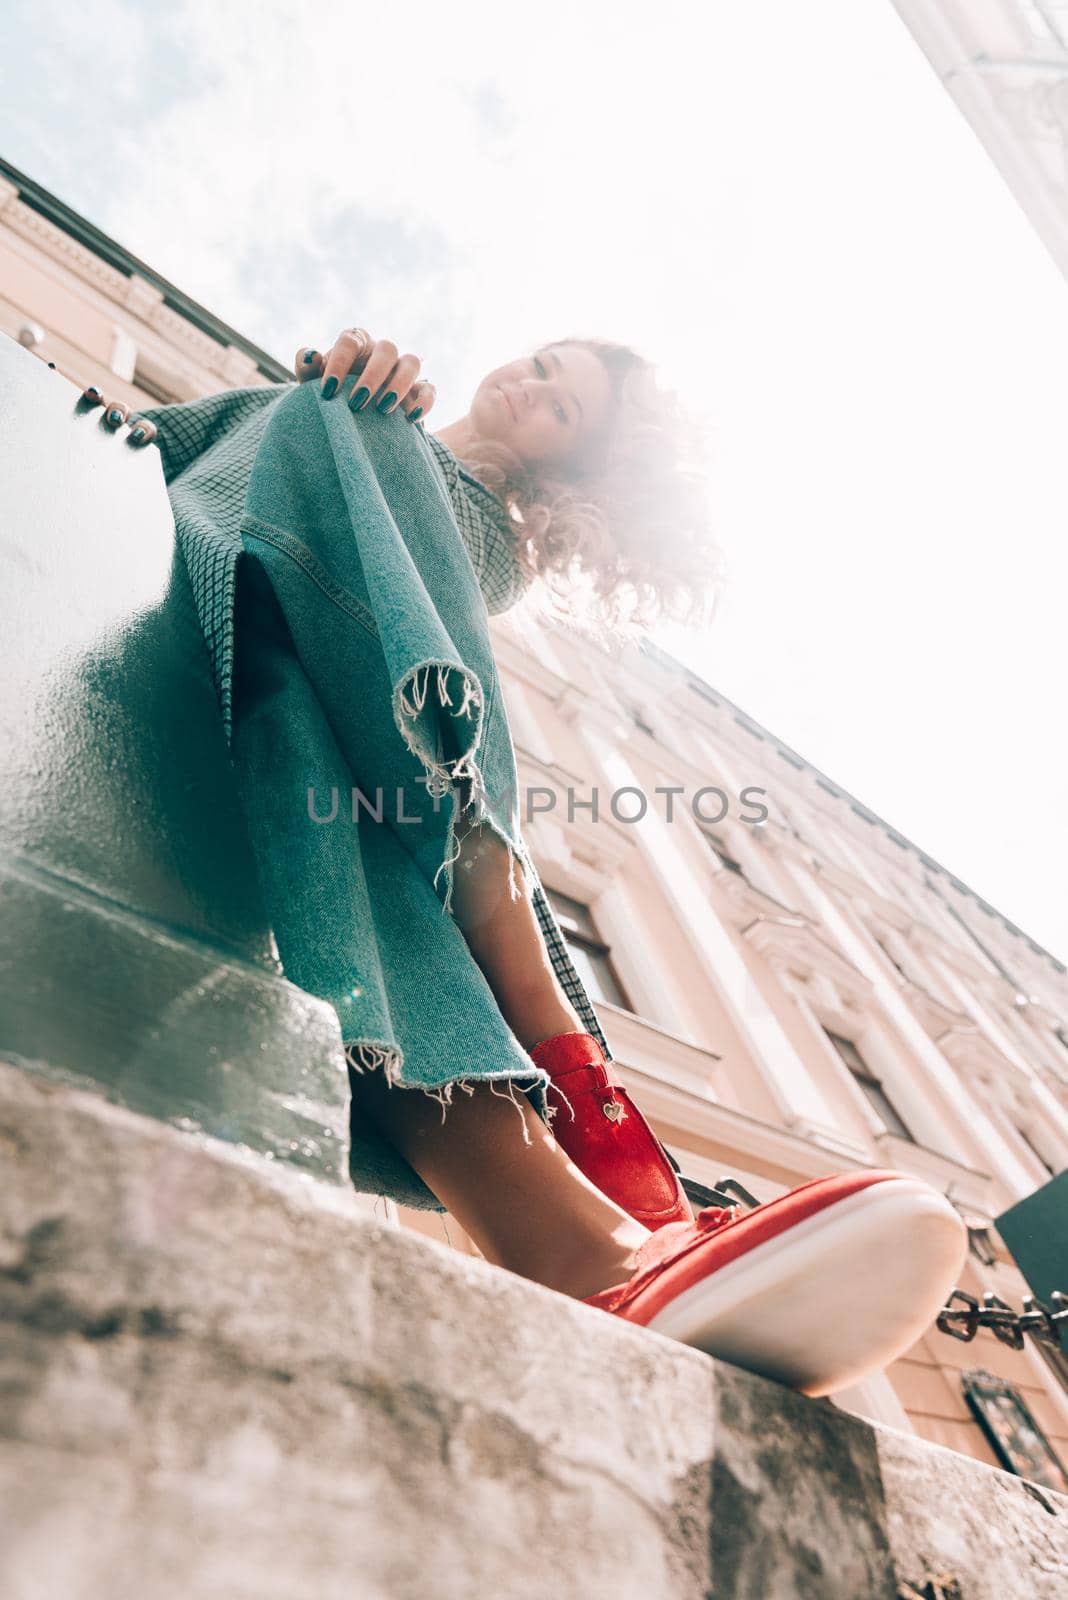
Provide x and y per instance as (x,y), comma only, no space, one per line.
(363,662)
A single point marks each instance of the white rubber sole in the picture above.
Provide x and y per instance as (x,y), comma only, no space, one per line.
(835,1297)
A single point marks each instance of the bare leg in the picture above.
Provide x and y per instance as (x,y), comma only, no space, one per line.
(526,1205)
(504,937)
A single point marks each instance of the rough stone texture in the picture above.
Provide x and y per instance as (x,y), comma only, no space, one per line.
(221,1381)
(1004,1538)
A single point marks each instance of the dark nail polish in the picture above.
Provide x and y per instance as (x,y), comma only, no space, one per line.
(413,416)
(114,415)
(387,400)
(137,435)
(94,393)
(309,357)
(359,399)
(329,388)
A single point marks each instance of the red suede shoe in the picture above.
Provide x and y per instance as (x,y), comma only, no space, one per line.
(815,1289)
(607,1137)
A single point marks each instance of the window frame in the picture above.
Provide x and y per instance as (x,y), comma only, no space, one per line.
(870,1085)
(583,933)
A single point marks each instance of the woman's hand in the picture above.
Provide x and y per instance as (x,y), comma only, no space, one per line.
(116,414)
(388,380)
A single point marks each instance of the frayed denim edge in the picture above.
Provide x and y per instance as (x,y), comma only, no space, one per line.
(362,1057)
(409,704)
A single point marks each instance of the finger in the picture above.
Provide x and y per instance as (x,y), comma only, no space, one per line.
(142,432)
(115,414)
(347,355)
(307,363)
(93,396)
(396,386)
(377,368)
(419,399)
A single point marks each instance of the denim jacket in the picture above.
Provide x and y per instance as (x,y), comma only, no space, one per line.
(348,627)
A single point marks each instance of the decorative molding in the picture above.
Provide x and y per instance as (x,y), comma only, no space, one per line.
(796,1153)
(927,941)
(573,705)
(141,298)
(858,891)
(1036,1010)
(895,916)
(934,1017)
(1031,97)
(745,902)
(934,1014)
(973,1054)
(177,330)
(603,844)
(793,949)
(565,873)
(1052,1080)
(60,247)
(643,1046)
(957,1182)
(516,658)
(775,835)
(239,369)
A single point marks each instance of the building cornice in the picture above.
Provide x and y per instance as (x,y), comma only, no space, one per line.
(33,211)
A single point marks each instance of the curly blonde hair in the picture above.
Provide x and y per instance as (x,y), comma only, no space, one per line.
(620,535)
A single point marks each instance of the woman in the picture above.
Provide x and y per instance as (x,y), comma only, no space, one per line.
(568,467)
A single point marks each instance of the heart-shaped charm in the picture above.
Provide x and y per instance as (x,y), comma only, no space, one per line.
(613,1110)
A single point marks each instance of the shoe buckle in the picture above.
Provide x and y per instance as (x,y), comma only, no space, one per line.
(728,1192)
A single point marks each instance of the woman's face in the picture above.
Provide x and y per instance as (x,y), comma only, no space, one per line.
(546,405)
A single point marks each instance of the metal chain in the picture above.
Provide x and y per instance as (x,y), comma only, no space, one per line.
(944,1587)
(1047,1324)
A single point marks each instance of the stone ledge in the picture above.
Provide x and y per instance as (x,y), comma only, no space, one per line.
(222,1381)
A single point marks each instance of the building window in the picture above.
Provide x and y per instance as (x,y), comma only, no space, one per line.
(1029,1142)
(636,713)
(722,854)
(894,962)
(981,1245)
(872,1087)
(592,957)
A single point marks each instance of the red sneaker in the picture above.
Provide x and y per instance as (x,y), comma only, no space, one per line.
(605,1134)
(815,1289)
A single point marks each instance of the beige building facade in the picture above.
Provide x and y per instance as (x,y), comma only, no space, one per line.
(789,986)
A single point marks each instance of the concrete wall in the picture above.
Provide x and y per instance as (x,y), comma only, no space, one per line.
(221,1382)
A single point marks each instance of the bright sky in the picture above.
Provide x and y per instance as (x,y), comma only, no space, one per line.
(777,203)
